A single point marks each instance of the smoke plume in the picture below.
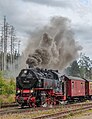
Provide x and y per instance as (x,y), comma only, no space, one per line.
(53,46)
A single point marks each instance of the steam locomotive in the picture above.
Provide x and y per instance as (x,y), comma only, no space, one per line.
(41,87)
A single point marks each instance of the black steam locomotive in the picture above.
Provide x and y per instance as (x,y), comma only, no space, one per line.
(34,86)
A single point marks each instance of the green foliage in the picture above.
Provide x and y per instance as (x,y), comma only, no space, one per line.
(6,86)
(81,68)
(74,69)
(85,65)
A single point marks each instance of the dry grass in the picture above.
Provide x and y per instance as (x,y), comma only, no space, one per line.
(7,98)
(82,115)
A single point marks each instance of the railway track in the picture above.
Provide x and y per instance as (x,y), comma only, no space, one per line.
(63,114)
(14,104)
(64,110)
(5,105)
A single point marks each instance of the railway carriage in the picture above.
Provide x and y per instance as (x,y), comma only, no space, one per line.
(74,87)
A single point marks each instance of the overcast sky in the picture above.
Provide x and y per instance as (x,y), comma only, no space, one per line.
(28,15)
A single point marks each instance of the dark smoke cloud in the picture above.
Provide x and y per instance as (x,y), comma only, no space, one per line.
(54,46)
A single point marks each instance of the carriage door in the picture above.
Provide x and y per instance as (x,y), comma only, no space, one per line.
(64,88)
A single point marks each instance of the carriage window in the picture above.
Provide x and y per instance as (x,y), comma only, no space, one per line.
(81,85)
(72,85)
(90,86)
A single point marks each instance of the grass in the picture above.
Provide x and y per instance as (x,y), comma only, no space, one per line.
(70,116)
(7,98)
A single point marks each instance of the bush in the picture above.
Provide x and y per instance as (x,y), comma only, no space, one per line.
(6,86)
(7,90)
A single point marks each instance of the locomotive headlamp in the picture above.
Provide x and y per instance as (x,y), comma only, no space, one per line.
(31,91)
(18,91)
(25,71)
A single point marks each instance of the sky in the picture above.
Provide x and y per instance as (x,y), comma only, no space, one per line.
(29,15)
